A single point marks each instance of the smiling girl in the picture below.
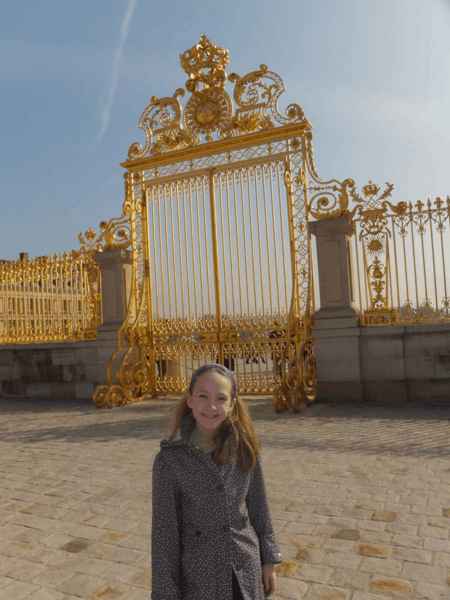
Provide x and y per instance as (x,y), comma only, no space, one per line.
(212,535)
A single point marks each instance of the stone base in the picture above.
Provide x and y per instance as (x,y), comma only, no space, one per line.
(337,392)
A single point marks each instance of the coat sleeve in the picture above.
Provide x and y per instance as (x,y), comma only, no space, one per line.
(165,532)
(259,516)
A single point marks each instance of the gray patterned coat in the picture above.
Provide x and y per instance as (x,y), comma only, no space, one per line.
(208,520)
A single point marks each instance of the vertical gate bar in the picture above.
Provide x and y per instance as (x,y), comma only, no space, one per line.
(272,202)
(260,351)
(432,254)
(255,170)
(8,302)
(25,302)
(388,274)
(205,230)
(60,295)
(441,231)
(357,259)
(148,288)
(256,324)
(52,310)
(200,253)
(414,258)
(231,247)
(58,311)
(161,203)
(313,289)
(252,246)
(84,300)
(183,326)
(224,264)
(173,188)
(215,250)
(76,300)
(19,296)
(34,291)
(167,255)
(66,284)
(187,257)
(397,303)
(151,200)
(194,278)
(15,302)
(263,175)
(245,243)
(238,253)
(283,246)
(423,259)
(71,296)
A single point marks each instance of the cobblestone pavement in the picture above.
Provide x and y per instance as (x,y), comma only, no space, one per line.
(359,496)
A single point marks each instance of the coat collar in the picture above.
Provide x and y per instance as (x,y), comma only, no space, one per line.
(186,426)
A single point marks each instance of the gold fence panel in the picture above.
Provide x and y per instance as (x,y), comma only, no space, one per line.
(219,238)
(49,299)
(403,264)
(399,253)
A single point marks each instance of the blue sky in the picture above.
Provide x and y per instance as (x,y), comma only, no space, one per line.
(371,76)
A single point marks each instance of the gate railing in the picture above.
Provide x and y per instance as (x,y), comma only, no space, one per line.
(403,264)
(49,299)
(400,257)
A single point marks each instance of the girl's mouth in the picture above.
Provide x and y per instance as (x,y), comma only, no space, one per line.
(213,417)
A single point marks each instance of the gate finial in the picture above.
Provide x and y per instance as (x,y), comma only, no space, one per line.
(204,55)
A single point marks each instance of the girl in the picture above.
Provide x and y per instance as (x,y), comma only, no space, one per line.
(212,535)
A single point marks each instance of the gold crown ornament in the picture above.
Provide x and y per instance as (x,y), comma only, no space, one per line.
(204,55)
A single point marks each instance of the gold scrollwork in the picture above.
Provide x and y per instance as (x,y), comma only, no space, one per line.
(330,199)
(375,234)
(209,108)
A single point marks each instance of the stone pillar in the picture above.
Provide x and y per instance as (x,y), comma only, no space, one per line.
(116,274)
(334,260)
(336,327)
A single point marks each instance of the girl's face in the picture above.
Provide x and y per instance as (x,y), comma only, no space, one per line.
(211,401)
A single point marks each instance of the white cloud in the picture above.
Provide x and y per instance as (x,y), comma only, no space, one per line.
(116,64)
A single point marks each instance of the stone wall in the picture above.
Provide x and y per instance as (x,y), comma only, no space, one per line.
(50,370)
(400,363)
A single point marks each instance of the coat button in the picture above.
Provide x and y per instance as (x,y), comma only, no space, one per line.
(198,533)
(226,528)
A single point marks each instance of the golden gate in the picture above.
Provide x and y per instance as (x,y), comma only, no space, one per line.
(220,240)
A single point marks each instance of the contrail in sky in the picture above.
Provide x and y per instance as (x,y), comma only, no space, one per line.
(115,73)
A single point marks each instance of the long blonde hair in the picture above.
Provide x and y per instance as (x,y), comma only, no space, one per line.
(244,438)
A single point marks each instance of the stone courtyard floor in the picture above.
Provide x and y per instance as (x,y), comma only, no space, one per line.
(359,498)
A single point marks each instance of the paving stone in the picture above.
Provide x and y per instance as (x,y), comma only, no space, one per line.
(16,590)
(25,571)
(121,572)
(140,595)
(112,590)
(127,555)
(51,577)
(80,585)
(46,594)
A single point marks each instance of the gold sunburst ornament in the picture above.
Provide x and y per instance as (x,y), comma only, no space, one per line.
(375,245)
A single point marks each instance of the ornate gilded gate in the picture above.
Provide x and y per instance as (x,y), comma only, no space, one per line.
(220,241)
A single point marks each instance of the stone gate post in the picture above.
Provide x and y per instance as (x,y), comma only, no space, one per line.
(336,327)
(116,276)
